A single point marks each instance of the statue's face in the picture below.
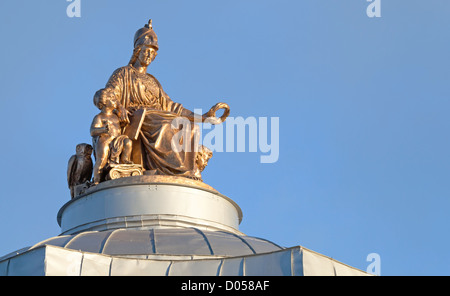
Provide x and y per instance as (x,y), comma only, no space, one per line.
(111,102)
(147,55)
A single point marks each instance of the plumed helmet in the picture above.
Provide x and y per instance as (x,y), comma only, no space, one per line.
(146,36)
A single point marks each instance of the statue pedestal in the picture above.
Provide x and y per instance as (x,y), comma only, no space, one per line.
(117,171)
(150,202)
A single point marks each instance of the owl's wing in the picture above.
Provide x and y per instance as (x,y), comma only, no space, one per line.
(88,168)
(71,169)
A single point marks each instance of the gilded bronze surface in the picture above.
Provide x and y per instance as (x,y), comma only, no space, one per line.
(110,146)
(138,122)
(135,89)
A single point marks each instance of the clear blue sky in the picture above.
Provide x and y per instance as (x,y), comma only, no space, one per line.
(363,105)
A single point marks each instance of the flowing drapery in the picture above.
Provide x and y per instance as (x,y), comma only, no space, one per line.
(141,90)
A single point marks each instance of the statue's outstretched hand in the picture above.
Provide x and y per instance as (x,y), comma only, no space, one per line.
(210,116)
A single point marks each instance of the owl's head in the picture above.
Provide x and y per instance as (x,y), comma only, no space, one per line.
(84,149)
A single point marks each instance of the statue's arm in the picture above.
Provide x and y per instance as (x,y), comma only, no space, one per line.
(97,127)
(209,116)
(177,108)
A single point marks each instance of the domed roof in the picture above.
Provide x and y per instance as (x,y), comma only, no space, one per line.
(162,241)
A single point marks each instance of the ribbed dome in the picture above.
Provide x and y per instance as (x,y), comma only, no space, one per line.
(171,241)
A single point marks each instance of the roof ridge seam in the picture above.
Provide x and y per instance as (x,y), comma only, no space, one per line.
(206,240)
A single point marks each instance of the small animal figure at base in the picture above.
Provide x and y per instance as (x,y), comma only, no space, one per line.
(79,169)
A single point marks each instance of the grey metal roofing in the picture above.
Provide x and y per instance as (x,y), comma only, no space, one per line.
(169,241)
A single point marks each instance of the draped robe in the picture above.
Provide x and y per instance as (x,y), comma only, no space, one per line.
(141,90)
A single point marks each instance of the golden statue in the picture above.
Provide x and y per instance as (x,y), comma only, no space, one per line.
(138,123)
(109,144)
(148,113)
